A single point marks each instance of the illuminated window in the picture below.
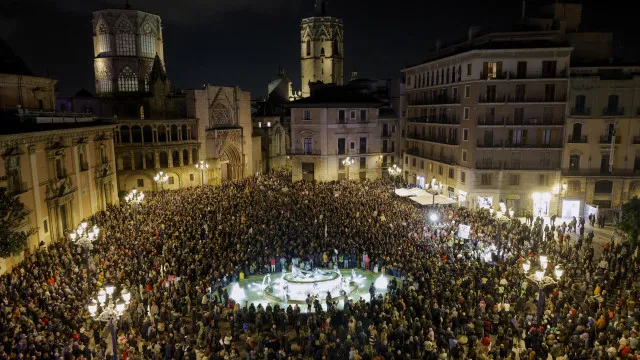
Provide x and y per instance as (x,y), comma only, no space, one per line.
(147,41)
(146,83)
(125,39)
(104,40)
(128,80)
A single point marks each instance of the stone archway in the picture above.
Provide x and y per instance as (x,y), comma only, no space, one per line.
(230,163)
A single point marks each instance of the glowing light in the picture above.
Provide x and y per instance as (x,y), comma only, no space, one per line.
(381,282)
(526,266)
(539,275)
(433,217)
(237,293)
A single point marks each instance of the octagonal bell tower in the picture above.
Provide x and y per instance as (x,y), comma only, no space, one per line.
(322,51)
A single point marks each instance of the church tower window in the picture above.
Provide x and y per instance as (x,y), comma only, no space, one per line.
(104,40)
(308,47)
(147,41)
(127,80)
(322,52)
(125,39)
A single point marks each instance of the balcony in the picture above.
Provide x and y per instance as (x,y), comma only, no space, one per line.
(508,75)
(534,122)
(612,111)
(491,121)
(449,160)
(507,165)
(446,120)
(636,139)
(301,152)
(575,139)
(607,139)
(490,144)
(581,112)
(434,139)
(550,145)
(497,76)
(601,172)
(438,100)
(513,98)
(491,98)
(16,188)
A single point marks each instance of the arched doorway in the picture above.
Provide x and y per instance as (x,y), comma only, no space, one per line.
(230,163)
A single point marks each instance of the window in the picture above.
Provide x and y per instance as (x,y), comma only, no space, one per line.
(515,136)
(467,91)
(491,93)
(486,179)
(363,145)
(545,137)
(352,146)
(421,164)
(612,104)
(307,115)
(440,170)
(463,177)
(406,160)
(465,134)
(125,39)
(574,162)
(363,116)
(171,180)
(140,182)
(45,226)
(581,101)
(469,69)
(413,161)
(363,162)
(464,156)
(430,167)
(342,146)
(451,173)
(127,80)
(141,112)
(307,145)
(543,179)
(522,70)
(549,69)
(191,177)
(514,179)
(549,92)
(492,69)
(104,85)
(104,40)
(447,76)
(352,114)
(322,52)
(518,115)
(341,116)
(308,47)
(465,113)
(520,92)
(636,162)
(148,41)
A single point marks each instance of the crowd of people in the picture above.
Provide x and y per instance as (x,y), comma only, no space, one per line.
(450,298)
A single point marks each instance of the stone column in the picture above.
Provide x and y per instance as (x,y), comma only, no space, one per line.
(76,166)
(35,188)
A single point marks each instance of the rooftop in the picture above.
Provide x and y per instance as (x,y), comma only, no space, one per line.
(333,94)
(10,63)
(16,127)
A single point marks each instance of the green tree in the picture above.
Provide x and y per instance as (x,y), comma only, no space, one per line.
(630,222)
(12,213)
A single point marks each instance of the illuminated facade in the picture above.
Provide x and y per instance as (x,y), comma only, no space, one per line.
(601,160)
(322,50)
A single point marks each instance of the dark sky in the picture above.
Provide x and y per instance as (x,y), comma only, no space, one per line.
(242,42)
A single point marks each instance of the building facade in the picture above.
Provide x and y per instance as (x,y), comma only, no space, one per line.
(322,50)
(487,122)
(125,43)
(334,124)
(601,160)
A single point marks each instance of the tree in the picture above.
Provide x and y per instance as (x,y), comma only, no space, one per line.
(630,222)
(12,214)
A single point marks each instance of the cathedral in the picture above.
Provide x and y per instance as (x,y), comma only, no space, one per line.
(161,128)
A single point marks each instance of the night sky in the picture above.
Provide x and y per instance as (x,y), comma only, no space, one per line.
(242,42)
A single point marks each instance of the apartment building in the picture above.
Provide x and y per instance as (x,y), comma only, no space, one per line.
(485,119)
(335,123)
(601,160)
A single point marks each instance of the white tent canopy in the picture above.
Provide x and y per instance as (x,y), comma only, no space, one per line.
(428,200)
(411,192)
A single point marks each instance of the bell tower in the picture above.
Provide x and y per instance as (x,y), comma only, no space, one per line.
(321,52)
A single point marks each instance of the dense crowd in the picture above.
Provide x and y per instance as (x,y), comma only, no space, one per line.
(451,298)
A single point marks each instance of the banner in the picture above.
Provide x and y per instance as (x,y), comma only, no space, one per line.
(463,231)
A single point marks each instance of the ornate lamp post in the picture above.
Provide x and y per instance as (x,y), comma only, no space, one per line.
(202,166)
(541,281)
(434,189)
(84,238)
(160,179)
(134,198)
(107,309)
(500,220)
(394,172)
(347,164)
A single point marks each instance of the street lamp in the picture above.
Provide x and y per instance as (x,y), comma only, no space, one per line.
(134,198)
(433,190)
(108,309)
(202,166)
(347,164)
(394,171)
(541,281)
(84,238)
(160,179)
